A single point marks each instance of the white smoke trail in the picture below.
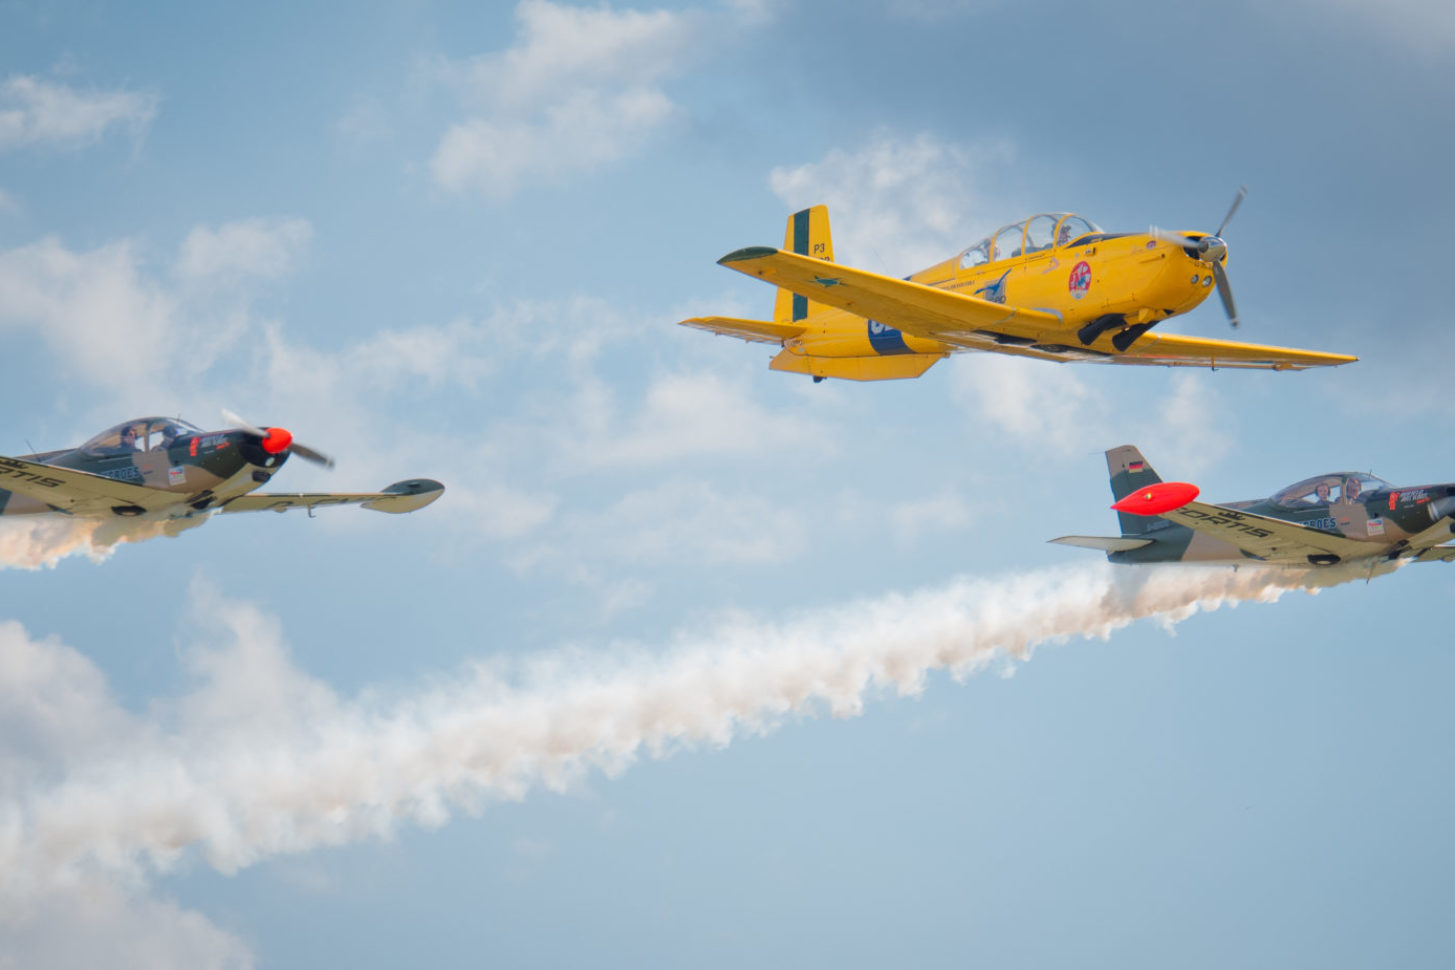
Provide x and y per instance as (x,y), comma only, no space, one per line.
(291,766)
(40,541)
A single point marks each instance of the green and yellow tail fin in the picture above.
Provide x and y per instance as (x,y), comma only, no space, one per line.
(808,234)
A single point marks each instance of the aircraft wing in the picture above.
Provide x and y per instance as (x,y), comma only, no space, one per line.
(1265,537)
(81,493)
(972,323)
(1437,554)
(762,331)
(404,496)
(1176,350)
(914,308)
(1432,536)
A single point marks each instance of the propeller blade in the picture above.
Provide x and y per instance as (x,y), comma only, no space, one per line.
(1176,238)
(308,454)
(242,425)
(1225,290)
(283,440)
(1237,201)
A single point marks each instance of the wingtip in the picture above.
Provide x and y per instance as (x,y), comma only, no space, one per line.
(749,252)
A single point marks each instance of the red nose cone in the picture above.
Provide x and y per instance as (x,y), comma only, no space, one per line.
(1159,498)
(278,440)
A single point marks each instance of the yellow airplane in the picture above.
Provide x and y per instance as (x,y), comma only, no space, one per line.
(1054,287)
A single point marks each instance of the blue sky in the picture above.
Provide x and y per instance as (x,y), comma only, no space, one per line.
(696,663)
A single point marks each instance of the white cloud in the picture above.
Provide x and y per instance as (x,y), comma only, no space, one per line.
(899,203)
(682,416)
(562,48)
(1047,403)
(37,112)
(677,522)
(55,707)
(1427,26)
(580,88)
(365,122)
(58,715)
(258,248)
(97,923)
(589,129)
(118,326)
(96,309)
(1067,410)
(939,512)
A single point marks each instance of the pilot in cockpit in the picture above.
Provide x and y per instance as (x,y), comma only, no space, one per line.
(1321,494)
(128,438)
(169,435)
(1351,490)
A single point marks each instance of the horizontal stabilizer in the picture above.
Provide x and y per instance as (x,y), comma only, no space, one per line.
(762,331)
(889,368)
(1104,543)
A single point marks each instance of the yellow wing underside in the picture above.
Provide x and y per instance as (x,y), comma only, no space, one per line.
(970,323)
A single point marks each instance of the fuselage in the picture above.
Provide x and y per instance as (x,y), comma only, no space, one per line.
(1095,282)
(1384,516)
(202,469)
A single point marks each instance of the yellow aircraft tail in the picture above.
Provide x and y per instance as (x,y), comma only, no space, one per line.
(808,234)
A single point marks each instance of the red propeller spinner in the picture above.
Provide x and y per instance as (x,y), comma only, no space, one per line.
(1158,498)
(277,440)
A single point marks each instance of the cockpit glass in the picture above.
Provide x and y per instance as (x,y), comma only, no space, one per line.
(1327,489)
(1035,234)
(1073,228)
(139,434)
(976,254)
(1040,231)
(1008,242)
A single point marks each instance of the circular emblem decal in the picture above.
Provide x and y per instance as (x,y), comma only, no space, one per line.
(1080,280)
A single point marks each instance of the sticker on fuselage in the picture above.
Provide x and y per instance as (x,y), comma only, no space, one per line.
(176,475)
(1376,527)
(886,340)
(1079,282)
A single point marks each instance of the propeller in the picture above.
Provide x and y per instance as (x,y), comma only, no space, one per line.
(278,440)
(1211,250)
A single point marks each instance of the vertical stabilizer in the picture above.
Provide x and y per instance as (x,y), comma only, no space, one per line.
(807,234)
(1129,471)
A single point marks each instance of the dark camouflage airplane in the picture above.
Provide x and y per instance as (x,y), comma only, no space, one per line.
(164,469)
(1340,518)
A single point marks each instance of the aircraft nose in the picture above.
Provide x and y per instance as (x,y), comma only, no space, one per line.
(1212,248)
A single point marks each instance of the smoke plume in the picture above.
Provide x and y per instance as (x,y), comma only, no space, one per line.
(260,758)
(38,541)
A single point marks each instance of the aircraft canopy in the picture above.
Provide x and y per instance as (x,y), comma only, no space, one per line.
(1044,231)
(1323,489)
(150,433)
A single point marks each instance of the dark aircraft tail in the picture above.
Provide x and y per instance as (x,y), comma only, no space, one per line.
(1129,471)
